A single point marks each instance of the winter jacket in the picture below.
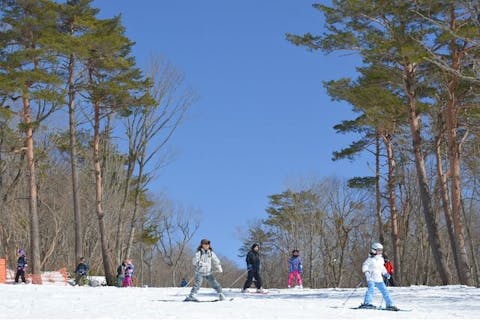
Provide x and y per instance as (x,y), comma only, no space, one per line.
(121,270)
(295,264)
(21,263)
(374,268)
(206,262)
(389,267)
(253,260)
(82,269)
(129,270)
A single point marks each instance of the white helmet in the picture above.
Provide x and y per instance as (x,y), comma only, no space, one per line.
(376,246)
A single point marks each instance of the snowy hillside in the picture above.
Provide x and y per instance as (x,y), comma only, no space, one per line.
(67,302)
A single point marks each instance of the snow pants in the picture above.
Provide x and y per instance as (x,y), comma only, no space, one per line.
(20,274)
(198,282)
(383,289)
(127,281)
(294,275)
(253,274)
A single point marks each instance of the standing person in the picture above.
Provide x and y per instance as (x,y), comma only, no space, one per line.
(374,270)
(121,273)
(295,269)
(389,282)
(81,273)
(183,283)
(127,279)
(253,267)
(206,263)
(21,266)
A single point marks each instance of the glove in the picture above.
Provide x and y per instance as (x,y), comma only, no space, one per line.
(249,267)
(367,274)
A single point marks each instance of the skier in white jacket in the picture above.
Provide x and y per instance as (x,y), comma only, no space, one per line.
(206,263)
(374,270)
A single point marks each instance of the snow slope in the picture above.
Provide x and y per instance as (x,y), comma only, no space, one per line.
(67,302)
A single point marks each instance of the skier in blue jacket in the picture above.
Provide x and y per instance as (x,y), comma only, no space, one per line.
(295,269)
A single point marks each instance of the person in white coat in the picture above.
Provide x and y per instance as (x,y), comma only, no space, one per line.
(206,263)
(374,270)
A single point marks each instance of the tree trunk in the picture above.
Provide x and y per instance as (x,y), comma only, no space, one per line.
(430,218)
(378,195)
(392,204)
(73,161)
(32,187)
(107,265)
(444,192)
(459,250)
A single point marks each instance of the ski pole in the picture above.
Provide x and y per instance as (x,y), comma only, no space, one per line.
(241,276)
(351,294)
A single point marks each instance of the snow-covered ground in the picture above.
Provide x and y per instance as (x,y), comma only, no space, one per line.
(67,302)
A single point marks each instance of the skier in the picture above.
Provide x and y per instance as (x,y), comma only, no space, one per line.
(183,283)
(389,282)
(81,273)
(295,269)
(206,263)
(121,273)
(127,279)
(21,266)
(374,268)
(253,267)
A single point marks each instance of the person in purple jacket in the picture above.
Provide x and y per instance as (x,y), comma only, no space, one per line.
(295,269)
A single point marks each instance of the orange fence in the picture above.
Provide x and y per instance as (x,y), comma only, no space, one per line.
(58,277)
(3,270)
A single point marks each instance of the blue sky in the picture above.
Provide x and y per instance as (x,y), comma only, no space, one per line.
(263,117)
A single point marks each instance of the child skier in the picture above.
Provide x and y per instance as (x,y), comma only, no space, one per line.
(81,273)
(127,280)
(374,269)
(21,266)
(389,282)
(206,263)
(295,269)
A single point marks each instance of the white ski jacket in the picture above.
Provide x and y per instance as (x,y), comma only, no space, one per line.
(374,268)
(206,262)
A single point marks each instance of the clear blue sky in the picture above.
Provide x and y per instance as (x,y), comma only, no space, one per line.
(263,117)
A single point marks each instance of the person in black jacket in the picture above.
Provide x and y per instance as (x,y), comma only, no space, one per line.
(21,266)
(253,267)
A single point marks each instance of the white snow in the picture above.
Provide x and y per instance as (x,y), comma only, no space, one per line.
(66,302)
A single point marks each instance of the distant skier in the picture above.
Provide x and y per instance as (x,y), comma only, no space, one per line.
(121,273)
(374,269)
(206,263)
(128,277)
(389,282)
(21,266)
(81,273)
(253,268)
(183,283)
(295,269)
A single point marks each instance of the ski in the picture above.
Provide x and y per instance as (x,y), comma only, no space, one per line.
(377,308)
(213,300)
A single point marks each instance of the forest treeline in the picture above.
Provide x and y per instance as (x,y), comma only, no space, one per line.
(84,130)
